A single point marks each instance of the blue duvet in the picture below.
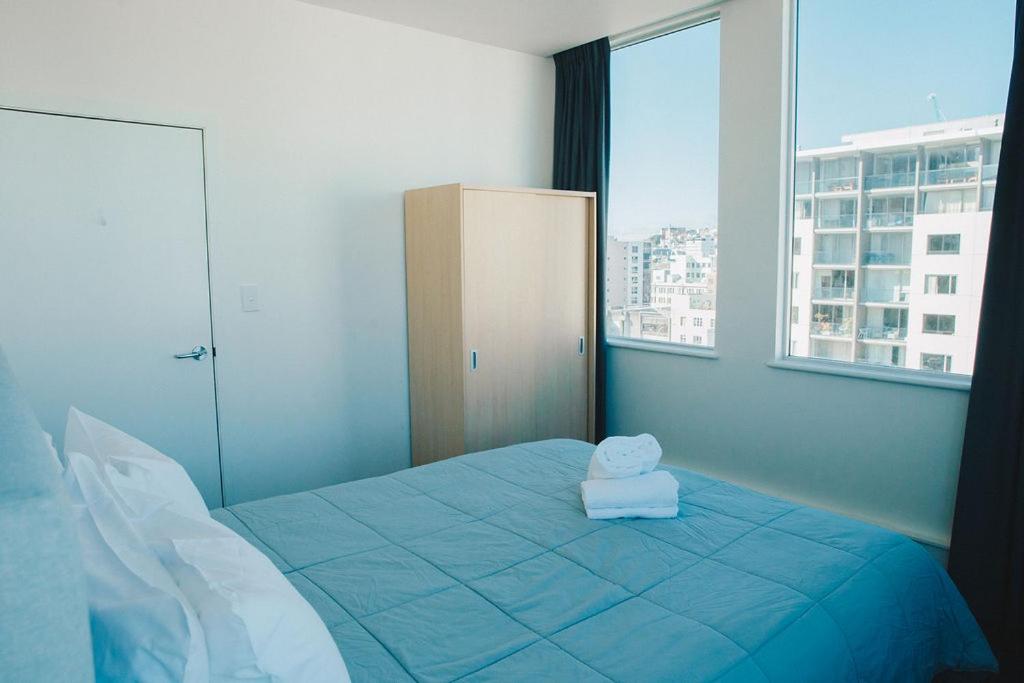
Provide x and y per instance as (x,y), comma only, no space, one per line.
(485,568)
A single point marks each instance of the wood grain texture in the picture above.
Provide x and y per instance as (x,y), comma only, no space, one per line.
(525,285)
(433,262)
(508,273)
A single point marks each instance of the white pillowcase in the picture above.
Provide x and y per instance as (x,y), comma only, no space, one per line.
(126,461)
(143,628)
(257,625)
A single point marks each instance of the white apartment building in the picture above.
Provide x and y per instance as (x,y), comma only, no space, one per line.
(636,259)
(890,239)
(681,304)
(616,270)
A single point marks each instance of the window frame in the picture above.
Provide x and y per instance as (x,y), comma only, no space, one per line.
(671,25)
(782,359)
(938,318)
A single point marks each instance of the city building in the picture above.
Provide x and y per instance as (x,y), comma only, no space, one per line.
(890,238)
(677,303)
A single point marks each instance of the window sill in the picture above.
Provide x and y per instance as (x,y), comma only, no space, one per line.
(920,378)
(662,347)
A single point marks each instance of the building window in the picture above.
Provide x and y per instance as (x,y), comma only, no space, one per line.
(698,322)
(940,284)
(988,198)
(943,244)
(881,187)
(937,362)
(950,201)
(937,323)
(663,187)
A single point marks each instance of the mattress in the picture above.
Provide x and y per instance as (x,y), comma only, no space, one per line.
(485,568)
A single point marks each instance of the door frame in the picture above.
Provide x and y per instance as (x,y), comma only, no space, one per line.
(206,236)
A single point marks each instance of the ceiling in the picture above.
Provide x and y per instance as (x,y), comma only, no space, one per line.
(539,27)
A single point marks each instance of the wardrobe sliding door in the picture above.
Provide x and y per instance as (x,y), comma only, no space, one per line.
(525,292)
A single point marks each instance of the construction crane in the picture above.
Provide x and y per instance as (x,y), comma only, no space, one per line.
(934,99)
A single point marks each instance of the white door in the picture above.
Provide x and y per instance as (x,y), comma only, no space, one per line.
(103,279)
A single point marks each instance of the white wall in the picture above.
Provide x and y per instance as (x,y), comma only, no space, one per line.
(884,452)
(316,121)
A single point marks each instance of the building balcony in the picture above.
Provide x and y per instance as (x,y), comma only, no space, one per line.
(957,175)
(835,222)
(886,180)
(831,258)
(803,186)
(884,333)
(885,258)
(897,294)
(834,293)
(891,219)
(989,171)
(832,328)
(848,184)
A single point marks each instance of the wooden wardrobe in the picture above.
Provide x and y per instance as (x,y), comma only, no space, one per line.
(501,297)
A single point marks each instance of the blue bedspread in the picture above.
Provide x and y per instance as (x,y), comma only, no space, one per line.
(485,568)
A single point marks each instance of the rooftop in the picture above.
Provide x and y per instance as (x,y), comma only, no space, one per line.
(990,126)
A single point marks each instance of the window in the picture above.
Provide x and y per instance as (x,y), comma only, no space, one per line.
(892,169)
(940,284)
(837,213)
(943,244)
(935,323)
(950,201)
(663,186)
(988,198)
(936,362)
(888,182)
(890,212)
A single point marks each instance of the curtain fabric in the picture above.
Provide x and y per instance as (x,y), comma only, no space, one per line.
(986,556)
(582,141)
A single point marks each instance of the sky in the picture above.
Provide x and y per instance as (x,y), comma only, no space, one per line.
(862,65)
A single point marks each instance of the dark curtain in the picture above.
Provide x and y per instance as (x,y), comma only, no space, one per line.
(986,556)
(582,141)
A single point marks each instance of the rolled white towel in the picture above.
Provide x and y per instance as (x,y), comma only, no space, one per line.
(624,456)
(652,490)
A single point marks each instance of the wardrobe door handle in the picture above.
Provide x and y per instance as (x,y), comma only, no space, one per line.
(583,346)
(472,360)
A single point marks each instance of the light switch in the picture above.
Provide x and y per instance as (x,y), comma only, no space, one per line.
(250,298)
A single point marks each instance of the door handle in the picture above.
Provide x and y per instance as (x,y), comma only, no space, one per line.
(197,353)
(582,349)
(472,360)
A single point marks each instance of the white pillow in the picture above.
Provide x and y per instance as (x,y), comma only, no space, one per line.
(257,625)
(143,628)
(126,461)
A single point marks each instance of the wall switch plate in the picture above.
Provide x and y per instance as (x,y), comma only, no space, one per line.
(250,298)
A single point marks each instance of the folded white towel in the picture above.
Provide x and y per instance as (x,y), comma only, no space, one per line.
(624,456)
(646,513)
(652,490)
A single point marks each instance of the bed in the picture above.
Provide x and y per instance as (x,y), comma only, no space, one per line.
(485,568)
